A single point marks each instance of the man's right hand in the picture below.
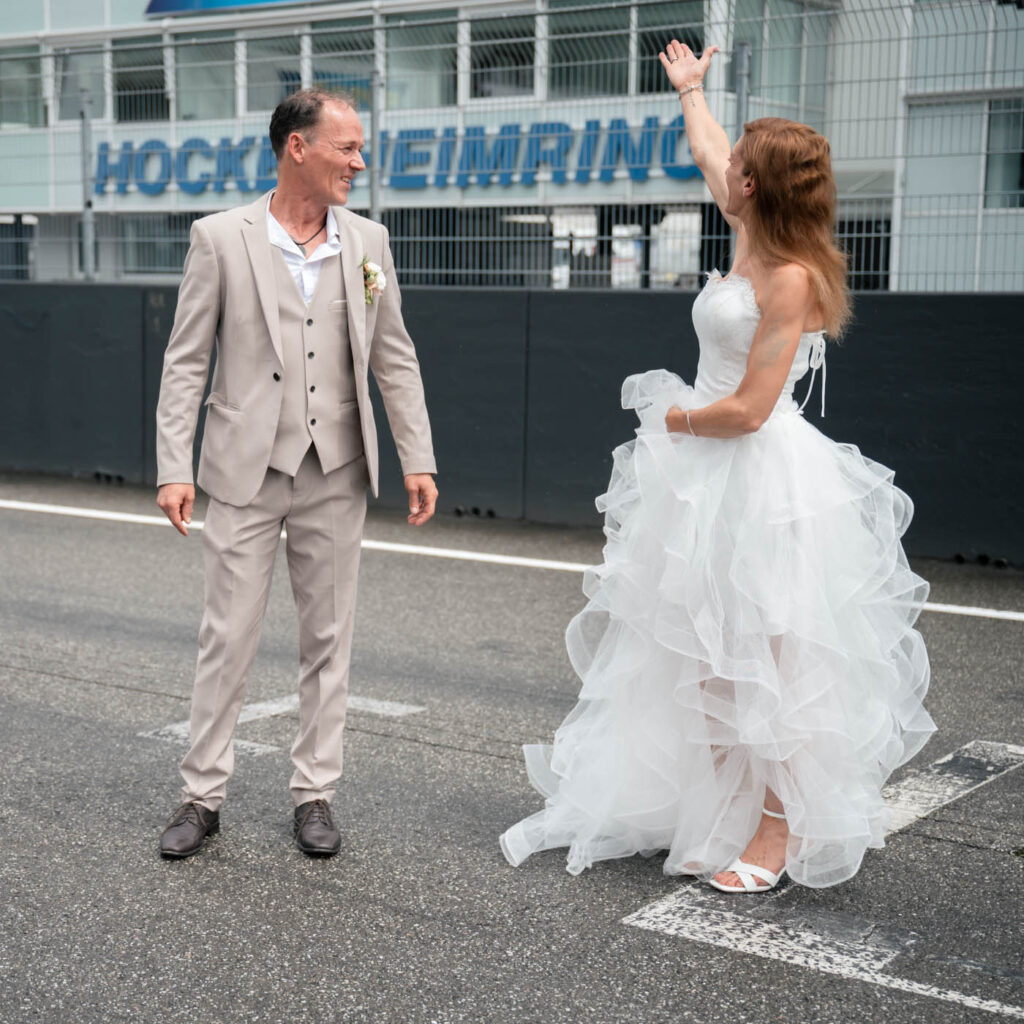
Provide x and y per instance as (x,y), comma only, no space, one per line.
(177,500)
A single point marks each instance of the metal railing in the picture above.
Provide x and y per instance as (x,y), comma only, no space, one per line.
(530,145)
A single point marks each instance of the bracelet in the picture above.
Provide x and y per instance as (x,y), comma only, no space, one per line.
(690,425)
(696,87)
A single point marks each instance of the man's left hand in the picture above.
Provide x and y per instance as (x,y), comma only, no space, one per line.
(422,497)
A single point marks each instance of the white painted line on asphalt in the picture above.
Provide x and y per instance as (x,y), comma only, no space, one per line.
(456,554)
(85,513)
(978,613)
(949,779)
(679,917)
(695,913)
(178,731)
(476,556)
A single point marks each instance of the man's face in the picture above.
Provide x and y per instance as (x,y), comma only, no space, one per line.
(331,155)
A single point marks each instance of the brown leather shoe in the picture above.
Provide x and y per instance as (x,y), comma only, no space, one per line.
(188,826)
(315,834)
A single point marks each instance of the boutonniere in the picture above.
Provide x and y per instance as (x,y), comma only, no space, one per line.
(374,281)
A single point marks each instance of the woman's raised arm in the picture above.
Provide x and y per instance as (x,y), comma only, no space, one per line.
(708,141)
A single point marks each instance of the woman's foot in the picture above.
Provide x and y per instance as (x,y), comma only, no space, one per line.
(766,849)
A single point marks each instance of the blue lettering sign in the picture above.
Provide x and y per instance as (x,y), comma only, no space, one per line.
(192,186)
(675,130)
(588,150)
(404,156)
(537,153)
(122,169)
(445,150)
(620,143)
(229,163)
(158,148)
(474,158)
(420,157)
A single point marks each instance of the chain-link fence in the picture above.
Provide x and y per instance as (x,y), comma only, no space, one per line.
(528,145)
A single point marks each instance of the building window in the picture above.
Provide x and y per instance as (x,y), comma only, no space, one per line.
(155,243)
(866,242)
(1004,157)
(656,25)
(502,52)
(16,233)
(783,51)
(589,50)
(343,58)
(204,67)
(139,90)
(273,70)
(77,70)
(21,89)
(421,60)
(748,27)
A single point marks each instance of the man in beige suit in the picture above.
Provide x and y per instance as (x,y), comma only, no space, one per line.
(299,297)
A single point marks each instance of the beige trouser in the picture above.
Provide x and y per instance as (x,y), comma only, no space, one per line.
(324,517)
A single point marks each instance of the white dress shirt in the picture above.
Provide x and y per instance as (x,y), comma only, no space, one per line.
(306,272)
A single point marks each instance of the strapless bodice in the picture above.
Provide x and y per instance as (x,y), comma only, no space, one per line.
(725,316)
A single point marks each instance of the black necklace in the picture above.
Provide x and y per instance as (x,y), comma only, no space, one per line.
(312,236)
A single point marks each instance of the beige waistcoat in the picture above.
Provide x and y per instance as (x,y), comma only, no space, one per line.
(318,404)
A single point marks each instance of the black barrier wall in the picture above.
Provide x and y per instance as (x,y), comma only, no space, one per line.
(523,391)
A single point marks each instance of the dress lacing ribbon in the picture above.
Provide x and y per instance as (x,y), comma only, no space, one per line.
(816,361)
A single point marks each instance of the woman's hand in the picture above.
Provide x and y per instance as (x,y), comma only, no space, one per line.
(675,421)
(682,67)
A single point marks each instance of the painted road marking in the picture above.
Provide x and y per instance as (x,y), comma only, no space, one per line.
(682,916)
(456,554)
(949,779)
(695,913)
(177,732)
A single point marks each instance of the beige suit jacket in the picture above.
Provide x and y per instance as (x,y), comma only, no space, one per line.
(228,300)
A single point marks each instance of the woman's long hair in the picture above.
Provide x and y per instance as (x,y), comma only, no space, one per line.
(794,207)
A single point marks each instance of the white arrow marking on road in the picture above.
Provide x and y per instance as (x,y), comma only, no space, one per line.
(455,554)
(178,731)
(695,913)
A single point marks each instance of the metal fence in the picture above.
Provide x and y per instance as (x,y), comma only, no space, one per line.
(529,145)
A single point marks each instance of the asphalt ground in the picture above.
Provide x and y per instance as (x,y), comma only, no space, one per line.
(419,918)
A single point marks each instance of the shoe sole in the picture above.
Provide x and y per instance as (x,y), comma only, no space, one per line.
(182,854)
(318,851)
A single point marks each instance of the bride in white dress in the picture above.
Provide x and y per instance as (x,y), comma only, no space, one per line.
(750,670)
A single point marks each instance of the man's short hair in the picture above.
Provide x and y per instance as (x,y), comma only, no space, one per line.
(300,112)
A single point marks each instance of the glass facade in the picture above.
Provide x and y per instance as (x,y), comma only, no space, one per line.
(21,88)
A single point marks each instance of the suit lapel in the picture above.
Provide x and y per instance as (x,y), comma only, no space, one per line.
(257,243)
(352,271)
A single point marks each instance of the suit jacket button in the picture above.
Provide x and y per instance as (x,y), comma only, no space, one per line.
(277,376)
(312,422)
(309,323)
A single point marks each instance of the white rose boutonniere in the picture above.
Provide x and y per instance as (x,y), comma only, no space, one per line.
(374,281)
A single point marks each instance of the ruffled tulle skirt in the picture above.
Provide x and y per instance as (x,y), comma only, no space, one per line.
(752,626)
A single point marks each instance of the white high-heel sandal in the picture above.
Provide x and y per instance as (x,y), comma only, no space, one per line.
(747,872)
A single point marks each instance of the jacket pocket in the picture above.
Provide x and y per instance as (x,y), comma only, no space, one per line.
(218,401)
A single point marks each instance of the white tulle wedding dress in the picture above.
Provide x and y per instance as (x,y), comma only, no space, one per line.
(752,625)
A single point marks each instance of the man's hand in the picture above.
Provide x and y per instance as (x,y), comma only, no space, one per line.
(422,497)
(177,500)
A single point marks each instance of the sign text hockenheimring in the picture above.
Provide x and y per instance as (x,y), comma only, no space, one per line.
(418,158)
